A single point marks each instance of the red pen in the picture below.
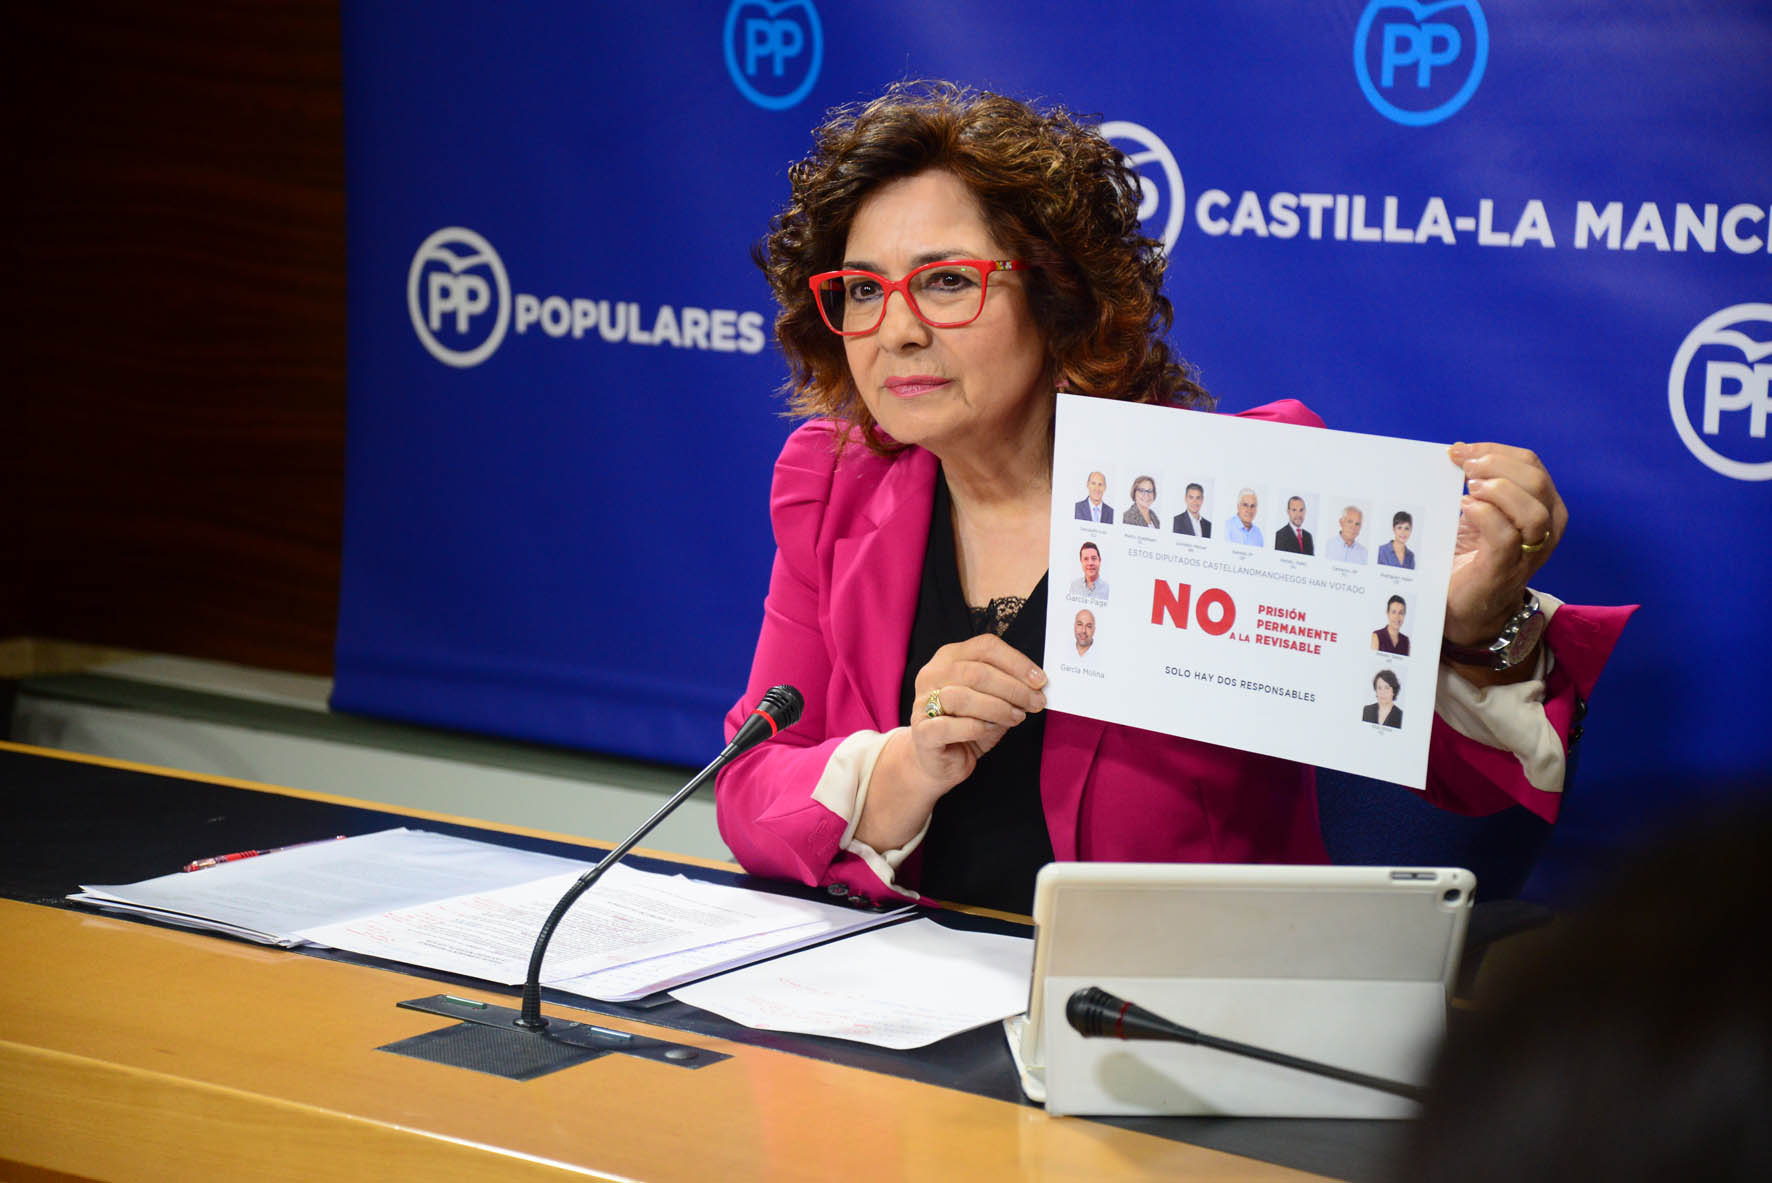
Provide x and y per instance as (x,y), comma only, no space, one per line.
(218,860)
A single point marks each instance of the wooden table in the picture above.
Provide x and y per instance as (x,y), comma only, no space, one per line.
(131,1051)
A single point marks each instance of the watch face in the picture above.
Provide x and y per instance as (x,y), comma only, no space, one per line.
(1513,646)
(1524,639)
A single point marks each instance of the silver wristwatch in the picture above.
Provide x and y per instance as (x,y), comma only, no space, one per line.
(1518,638)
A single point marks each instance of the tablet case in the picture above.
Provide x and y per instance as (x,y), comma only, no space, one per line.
(1350,966)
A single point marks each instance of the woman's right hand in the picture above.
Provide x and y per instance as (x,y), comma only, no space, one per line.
(985,687)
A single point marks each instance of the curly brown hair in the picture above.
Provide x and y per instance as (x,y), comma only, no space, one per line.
(1054,192)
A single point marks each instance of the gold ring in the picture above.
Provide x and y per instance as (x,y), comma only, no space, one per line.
(932,706)
(1534,547)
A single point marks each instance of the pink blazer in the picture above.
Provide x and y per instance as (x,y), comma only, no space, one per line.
(850,539)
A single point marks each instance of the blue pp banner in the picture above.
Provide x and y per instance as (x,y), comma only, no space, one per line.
(1540,223)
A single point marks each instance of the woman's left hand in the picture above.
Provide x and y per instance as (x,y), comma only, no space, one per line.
(1511,521)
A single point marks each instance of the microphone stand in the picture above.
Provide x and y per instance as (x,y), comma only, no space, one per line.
(781,707)
(534,1045)
(531,1018)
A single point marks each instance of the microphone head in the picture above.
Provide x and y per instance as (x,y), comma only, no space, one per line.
(780,707)
(1093,1012)
(783,704)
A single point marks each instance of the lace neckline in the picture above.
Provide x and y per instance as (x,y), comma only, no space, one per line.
(997,615)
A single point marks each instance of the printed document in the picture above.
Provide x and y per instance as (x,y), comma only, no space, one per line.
(900,987)
(475,908)
(1266,586)
(629,919)
(273,897)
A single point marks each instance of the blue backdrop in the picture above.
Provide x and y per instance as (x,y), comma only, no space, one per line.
(1547,223)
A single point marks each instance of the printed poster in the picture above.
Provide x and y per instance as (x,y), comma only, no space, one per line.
(1266,586)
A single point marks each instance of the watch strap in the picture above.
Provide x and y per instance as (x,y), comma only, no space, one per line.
(1513,645)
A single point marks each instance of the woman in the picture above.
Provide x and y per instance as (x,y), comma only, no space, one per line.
(1390,638)
(1396,552)
(1385,688)
(1144,492)
(946,261)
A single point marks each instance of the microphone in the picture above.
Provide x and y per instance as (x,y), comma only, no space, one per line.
(1096,1014)
(781,707)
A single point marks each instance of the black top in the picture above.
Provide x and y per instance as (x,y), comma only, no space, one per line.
(988,837)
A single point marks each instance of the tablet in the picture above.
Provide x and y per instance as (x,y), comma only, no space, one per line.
(1350,966)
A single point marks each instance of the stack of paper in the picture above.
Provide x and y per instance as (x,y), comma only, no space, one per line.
(634,934)
(474,908)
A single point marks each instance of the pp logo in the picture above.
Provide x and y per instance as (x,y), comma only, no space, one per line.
(1419,63)
(455,280)
(773,51)
(1143,151)
(1725,372)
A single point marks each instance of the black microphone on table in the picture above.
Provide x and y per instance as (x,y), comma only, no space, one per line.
(781,707)
(1096,1014)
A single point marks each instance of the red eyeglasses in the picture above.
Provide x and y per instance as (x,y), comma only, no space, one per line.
(944,295)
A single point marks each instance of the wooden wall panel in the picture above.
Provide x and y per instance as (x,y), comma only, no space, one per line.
(174,475)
